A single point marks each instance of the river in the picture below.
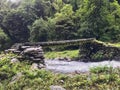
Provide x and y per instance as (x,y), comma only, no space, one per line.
(73,66)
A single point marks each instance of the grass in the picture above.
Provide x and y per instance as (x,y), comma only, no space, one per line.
(99,78)
(107,43)
(68,53)
(117,44)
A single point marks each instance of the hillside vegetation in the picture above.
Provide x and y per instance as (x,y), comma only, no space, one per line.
(48,20)
(20,76)
(53,20)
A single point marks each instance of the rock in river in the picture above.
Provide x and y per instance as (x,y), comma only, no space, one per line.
(56,88)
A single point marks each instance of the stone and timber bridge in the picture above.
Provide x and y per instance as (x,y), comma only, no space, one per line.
(90,49)
(58,43)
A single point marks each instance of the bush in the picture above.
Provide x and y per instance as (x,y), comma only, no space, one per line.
(38,31)
(4,40)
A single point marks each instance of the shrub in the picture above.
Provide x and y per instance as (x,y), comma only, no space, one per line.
(4,40)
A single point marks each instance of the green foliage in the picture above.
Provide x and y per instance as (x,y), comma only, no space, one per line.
(39,31)
(60,20)
(65,29)
(57,5)
(116,44)
(97,21)
(16,25)
(101,69)
(96,51)
(66,11)
(98,78)
(51,29)
(68,53)
(41,8)
(4,40)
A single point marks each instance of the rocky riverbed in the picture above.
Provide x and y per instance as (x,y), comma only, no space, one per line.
(76,66)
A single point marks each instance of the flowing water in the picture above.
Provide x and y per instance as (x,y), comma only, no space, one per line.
(73,66)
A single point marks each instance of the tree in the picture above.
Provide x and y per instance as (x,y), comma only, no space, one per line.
(51,29)
(66,11)
(95,19)
(65,29)
(64,26)
(4,40)
(39,31)
(57,5)
(41,8)
(75,3)
(113,29)
(15,25)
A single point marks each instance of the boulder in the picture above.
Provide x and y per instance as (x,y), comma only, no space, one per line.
(34,66)
(56,88)
(14,60)
(40,66)
(67,59)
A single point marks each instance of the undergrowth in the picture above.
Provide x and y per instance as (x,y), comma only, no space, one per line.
(99,78)
(67,53)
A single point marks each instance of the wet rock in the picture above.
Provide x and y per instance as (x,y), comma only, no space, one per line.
(77,72)
(14,60)
(63,59)
(67,59)
(36,66)
(56,88)
(62,81)
(40,66)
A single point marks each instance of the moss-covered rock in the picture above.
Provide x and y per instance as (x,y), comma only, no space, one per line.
(97,51)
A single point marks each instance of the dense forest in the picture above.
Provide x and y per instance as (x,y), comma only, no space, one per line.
(48,20)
